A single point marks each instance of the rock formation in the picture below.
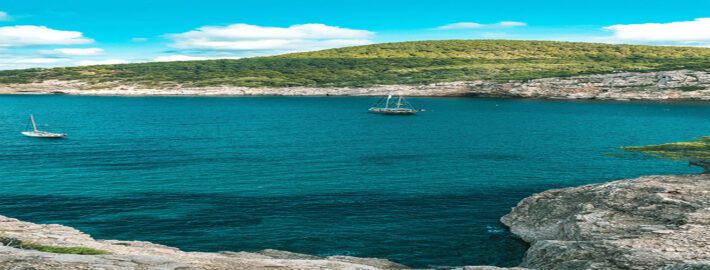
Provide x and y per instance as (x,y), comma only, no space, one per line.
(655,222)
(662,85)
(681,84)
(144,255)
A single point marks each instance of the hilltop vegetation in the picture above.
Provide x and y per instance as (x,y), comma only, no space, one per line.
(419,62)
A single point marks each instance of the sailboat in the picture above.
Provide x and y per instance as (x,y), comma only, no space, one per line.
(40,134)
(385,106)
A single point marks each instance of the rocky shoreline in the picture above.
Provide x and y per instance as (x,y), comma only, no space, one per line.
(661,85)
(654,222)
(145,255)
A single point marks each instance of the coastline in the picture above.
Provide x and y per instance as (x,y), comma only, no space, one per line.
(661,85)
(652,222)
(146,255)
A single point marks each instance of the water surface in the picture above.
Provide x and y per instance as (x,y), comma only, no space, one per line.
(319,175)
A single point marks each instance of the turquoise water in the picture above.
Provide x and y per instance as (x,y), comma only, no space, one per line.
(319,175)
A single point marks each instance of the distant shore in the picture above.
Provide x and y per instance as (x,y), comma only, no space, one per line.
(662,85)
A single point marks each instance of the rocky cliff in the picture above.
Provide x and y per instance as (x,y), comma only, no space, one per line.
(656,222)
(144,255)
(662,85)
(681,84)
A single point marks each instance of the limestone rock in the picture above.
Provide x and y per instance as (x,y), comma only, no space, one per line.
(145,255)
(655,222)
(661,85)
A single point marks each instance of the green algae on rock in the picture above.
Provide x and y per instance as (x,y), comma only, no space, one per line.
(696,153)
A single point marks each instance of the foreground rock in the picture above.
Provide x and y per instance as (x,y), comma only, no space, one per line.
(144,255)
(656,222)
(662,85)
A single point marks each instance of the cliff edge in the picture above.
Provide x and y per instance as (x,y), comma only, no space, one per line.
(654,222)
(660,85)
(145,255)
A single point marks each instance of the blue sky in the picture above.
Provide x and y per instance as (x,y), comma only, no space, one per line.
(46,33)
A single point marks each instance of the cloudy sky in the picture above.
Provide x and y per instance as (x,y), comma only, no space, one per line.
(47,33)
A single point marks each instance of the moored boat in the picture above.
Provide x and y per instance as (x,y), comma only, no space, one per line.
(35,133)
(401,107)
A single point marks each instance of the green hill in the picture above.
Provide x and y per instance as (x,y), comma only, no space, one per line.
(418,62)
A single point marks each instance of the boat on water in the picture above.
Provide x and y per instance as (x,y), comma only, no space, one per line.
(400,107)
(40,134)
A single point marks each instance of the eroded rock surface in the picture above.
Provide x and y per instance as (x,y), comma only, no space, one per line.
(662,85)
(655,222)
(679,84)
(145,255)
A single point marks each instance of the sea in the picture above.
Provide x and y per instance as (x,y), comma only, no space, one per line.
(321,175)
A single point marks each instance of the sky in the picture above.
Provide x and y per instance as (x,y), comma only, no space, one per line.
(49,33)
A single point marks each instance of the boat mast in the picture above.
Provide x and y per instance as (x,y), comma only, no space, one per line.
(399,102)
(34,126)
(387,104)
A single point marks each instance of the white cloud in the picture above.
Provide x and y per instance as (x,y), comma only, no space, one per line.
(40,60)
(511,24)
(697,30)
(30,35)
(473,25)
(15,61)
(10,61)
(461,25)
(75,51)
(139,39)
(102,62)
(4,16)
(245,37)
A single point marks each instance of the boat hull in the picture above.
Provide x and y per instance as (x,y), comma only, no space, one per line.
(392,111)
(42,134)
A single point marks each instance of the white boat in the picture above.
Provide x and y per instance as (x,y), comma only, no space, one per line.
(401,107)
(40,134)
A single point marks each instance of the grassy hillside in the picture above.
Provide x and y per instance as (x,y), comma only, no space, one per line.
(393,63)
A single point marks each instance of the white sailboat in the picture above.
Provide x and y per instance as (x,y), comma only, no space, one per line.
(40,134)
(401,107)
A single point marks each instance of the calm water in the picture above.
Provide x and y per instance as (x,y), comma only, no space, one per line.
(319,175)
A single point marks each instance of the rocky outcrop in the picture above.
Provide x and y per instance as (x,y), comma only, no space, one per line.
(681,84)
(662,85)
(656,222)
(144,255)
